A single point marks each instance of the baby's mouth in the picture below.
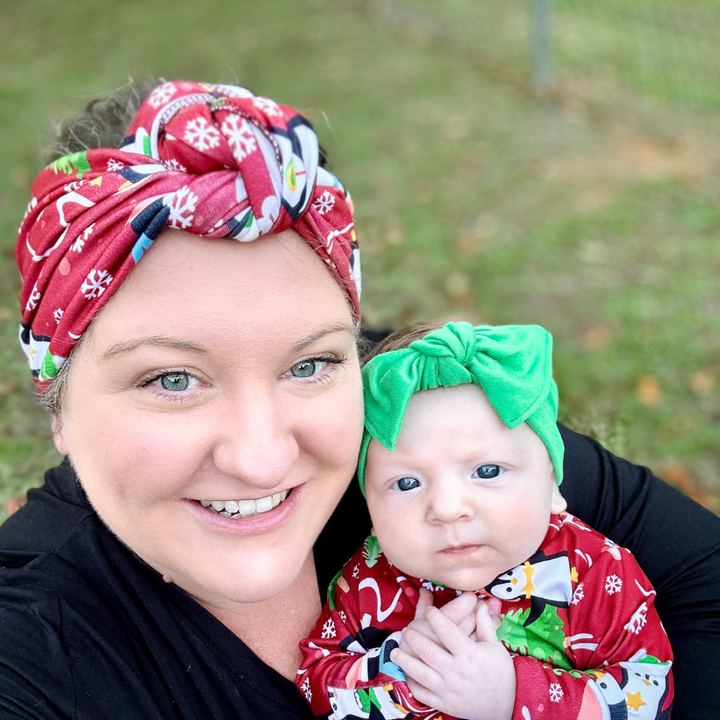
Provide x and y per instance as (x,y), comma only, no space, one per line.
(236,509)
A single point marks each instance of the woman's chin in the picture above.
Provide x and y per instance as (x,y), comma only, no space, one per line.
(246,582)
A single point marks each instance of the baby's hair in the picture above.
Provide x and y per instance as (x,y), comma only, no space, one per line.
(402,338)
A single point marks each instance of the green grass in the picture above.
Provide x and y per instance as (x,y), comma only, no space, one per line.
(594,214)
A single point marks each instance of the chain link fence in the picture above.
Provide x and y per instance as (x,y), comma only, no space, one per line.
(651,61)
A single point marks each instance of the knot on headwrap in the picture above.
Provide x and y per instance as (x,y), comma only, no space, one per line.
(511,363)
(214,160)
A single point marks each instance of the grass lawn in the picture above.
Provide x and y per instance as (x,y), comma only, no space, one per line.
(594,213)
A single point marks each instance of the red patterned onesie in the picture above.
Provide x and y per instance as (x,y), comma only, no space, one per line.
(578,618)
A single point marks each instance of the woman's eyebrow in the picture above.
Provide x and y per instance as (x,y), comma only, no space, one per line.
(321,332)
(153,340)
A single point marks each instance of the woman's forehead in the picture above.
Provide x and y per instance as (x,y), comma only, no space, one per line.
(192,288)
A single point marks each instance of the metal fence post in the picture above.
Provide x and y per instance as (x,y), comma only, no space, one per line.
(542,65)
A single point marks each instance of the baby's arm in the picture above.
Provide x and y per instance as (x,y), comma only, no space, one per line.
(620,652)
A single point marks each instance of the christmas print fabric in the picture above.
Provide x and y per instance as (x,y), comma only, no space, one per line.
(578,618)
(214,160)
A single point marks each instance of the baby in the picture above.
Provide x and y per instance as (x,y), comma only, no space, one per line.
(477,595)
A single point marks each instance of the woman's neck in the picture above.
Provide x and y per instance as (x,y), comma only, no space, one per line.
(272,628)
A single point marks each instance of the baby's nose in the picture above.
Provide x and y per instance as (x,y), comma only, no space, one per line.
(450,503)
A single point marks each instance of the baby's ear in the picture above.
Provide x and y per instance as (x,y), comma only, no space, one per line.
(558,504)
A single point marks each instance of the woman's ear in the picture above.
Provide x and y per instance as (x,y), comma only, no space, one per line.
(558,504)
(57,433)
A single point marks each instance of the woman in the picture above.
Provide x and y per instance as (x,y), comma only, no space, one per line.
(212,415)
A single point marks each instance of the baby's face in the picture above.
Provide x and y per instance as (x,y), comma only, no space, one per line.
(462,498)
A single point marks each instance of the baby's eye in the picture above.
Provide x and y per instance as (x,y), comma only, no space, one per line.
(406,483)
(486,472)
(307,368)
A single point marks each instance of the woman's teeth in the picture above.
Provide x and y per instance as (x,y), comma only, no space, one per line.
(243,508)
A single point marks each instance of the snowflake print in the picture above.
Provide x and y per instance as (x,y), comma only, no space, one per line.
(57,314)
(201,134)
(613,584)
(343,616)
(114,165)
(356,572)
(79,243)
(239,136)
(328,630)
(638,620)
(32,302)
(160,95)
(31,205)
(267,106)
(183,202)
(556,692)
(578,595)
(306,689)
(95,283)
(324,203)
(429,586)
(173,164)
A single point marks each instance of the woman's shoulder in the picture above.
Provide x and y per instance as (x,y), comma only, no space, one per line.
(52,515)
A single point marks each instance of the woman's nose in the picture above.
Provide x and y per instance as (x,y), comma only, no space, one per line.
(449,502)
(255,441)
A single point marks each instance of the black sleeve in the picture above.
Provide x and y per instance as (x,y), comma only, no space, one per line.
(676,542)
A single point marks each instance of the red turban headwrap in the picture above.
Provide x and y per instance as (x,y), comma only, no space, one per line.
(214,160)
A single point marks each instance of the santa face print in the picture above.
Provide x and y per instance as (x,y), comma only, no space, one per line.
(214,411)
(462,498)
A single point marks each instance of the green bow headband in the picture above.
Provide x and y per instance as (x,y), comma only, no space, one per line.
(511,363)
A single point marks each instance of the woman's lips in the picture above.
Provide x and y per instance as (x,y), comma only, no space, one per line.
(259,522)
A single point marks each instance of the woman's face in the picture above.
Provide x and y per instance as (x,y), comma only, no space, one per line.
(220,372)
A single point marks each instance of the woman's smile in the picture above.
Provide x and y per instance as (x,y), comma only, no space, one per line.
(243,508)
(252,517)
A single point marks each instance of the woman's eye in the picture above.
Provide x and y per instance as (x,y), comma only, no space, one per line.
(176,382)
(307,368)
(406,483)
(487,472)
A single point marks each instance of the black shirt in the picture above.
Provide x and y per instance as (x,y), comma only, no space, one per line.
(89,631)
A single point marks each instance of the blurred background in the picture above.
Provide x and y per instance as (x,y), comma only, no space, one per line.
(511,161)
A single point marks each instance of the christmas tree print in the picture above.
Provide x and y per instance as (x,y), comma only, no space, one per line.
(544,639)
(70,163)
(331,590)
(371,551)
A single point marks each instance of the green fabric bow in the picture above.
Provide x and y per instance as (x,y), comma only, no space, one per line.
(511,363)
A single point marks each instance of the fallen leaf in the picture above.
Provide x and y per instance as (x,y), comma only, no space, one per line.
(596,337)
(395,236)
(457,286)
(648,391)
(702,382)
(15,503)
(680,477)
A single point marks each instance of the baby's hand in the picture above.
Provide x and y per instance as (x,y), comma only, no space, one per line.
(458,675)
(460,611)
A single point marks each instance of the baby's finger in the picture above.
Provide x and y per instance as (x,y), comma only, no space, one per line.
(425,600)
(421,693)
(418,671)
(485,625)
(460,607)
(449,634)
(423,648)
